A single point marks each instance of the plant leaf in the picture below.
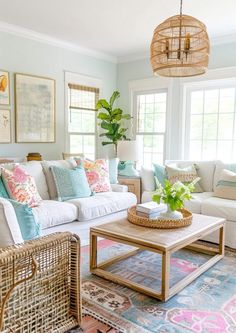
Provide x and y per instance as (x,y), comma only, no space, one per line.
(114,96)
(102,103)
(103,116)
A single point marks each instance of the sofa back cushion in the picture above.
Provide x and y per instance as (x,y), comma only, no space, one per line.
(147,178)
(66,164)
(205,170)
(220,166)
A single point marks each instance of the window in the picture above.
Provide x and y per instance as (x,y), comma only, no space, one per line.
(151,126)
(211,132)
(82,102)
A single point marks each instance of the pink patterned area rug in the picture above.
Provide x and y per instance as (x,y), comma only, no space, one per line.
(207,305)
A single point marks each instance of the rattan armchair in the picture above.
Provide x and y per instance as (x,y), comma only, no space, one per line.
(40,285)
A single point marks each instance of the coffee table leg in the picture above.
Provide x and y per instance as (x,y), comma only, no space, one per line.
(222,240)
(93,251)
(165,275)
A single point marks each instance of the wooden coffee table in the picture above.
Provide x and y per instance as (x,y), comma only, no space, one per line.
(162,241)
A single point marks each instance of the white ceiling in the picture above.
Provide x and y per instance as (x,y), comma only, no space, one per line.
(116,27)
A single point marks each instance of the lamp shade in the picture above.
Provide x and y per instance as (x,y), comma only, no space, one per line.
(128,150)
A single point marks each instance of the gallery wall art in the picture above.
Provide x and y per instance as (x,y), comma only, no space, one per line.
(34,108)
(4,88)
(5,126)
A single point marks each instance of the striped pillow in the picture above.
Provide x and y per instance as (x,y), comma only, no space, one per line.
(184,175)
(226,185)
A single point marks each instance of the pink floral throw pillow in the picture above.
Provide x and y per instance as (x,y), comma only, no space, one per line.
(97,173)
(21,186)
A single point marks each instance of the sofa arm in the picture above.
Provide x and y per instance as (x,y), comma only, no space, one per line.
(10,230)
(41,271)
(119,188)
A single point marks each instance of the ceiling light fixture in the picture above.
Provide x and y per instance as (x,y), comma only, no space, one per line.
(180,47)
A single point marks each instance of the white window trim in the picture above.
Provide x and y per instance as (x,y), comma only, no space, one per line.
(152,85)
(212,77)
(85,81)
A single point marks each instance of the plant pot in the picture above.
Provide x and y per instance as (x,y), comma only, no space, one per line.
(171,214)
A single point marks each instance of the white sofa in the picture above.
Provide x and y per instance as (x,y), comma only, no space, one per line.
(76,215)
(202,203)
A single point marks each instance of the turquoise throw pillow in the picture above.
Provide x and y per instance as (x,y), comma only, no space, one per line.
(3,191)
(71,183)
(113,170)
(25,217)
(160,173)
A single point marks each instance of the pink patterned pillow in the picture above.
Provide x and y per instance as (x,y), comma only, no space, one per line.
(97,173)
(21,186)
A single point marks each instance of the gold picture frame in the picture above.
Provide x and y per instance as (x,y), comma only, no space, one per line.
(5,126)
(34,109)
(4,87)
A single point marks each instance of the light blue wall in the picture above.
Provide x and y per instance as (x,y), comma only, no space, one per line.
(221,56)
(23,55)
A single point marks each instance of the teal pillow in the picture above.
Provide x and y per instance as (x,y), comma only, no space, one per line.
(113,170)
(25,217)
(71,183)
(3,191)
(160,173)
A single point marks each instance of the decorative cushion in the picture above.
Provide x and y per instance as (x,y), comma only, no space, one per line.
(68,164)
(184,175)
(160,173)
(71,184)
(25,217)
(21,186)
(3,191)
(102,204)
(97,174)
(220,166)
(205,170)
(113,170)
(226,185)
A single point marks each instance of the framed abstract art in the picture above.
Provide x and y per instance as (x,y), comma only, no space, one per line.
(4,88)
(34,108)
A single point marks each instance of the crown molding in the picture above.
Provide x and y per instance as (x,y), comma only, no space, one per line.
(217,40)
(43,38)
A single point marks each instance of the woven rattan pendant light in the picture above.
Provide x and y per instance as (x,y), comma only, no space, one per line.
(180,47)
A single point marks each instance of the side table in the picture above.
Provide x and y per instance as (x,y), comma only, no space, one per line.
(134,185)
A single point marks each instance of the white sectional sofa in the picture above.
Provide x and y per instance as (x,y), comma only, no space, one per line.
(76,215)
(202,203)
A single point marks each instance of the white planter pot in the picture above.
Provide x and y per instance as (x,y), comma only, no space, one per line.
(171,214)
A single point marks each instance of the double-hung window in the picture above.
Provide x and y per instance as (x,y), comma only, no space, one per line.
(151,126)
(82,102)
(211,122)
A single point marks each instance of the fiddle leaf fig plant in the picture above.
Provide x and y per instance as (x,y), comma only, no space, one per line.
(112,121)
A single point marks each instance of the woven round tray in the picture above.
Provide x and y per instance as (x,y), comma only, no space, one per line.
(160,223)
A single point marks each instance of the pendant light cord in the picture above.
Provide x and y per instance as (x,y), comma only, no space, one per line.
(181,7)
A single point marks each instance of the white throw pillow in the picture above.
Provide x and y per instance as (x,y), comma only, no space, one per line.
(226,185)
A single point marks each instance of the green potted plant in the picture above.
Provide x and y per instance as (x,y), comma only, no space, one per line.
(173,195)
(112,121)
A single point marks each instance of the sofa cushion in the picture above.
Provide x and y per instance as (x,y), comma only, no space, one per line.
(71,184)
(220,207)
(205,172)
(219,168)
(147,177)
(10,229)
(21,186)
(226,185)
(67,164)
(195,204)
(30,229)
(51,213)
(185,175)
(102,204)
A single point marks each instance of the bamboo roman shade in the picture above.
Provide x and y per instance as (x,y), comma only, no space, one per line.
(83,97)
